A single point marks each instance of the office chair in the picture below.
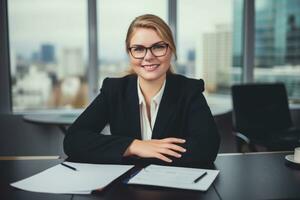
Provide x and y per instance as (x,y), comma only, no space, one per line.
(261,118)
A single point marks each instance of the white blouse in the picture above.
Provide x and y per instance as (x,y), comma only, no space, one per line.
(146,125)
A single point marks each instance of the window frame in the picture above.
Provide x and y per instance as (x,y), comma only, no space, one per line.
(5,78)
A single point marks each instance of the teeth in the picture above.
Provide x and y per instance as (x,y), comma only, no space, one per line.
(150,66)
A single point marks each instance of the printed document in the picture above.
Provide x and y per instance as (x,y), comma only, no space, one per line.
(175,177)
(67,180)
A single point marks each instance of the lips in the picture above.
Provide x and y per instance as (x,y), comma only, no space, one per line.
(150,68)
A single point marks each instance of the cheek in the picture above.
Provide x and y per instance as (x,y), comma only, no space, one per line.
(134,62)
(166,60)
(135,65)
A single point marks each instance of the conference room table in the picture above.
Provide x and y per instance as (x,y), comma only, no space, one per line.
(64,119)
(61,120)
(242,176)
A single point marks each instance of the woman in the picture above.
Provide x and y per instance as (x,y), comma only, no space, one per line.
(154,115)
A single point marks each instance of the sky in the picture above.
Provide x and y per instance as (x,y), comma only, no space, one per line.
(63,23)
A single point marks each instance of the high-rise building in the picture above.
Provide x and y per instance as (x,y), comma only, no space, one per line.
(71,62)
(47,53)
(292,56)
(214,58)
(237,34)
(35,57)
(277,33)
(191,55)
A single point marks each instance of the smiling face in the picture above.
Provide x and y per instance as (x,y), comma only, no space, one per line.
(149,68)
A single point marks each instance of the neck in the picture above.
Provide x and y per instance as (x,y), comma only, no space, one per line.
(151,88)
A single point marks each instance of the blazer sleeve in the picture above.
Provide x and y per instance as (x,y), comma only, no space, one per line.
(202,137)
(84,142)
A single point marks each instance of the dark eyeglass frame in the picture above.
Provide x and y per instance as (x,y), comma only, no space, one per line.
(149,48)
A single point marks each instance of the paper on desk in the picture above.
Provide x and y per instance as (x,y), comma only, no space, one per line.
(60,179)
(174,177)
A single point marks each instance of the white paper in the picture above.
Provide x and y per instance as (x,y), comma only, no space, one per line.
(60,179)
(175,177)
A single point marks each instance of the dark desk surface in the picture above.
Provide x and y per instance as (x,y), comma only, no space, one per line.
(253,176)
(257,176)
(11,171)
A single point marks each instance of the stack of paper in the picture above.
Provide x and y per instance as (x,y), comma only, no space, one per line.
(83,180)
(175,177)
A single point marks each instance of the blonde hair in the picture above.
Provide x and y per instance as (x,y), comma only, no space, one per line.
(158,25)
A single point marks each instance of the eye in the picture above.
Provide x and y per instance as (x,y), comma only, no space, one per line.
(159,47)
(138,49)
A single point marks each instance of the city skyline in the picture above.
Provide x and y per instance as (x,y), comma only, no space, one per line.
(209,46)
(48,22)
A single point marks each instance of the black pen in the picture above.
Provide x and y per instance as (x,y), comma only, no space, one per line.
(68,166)
(200,177)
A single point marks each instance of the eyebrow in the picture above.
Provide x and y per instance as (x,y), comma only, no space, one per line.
(139,45)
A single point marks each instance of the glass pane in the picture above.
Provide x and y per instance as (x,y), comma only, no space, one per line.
(48,45)
(113,22)
(277,44)
(210,45)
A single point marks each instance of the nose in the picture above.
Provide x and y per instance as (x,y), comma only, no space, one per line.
(149,55)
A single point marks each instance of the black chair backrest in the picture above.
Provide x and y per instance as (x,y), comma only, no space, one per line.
(260,107)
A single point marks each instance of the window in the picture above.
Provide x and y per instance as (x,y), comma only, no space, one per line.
(114,21)
(277,44)
(48,51)
(48,46)
(209,45)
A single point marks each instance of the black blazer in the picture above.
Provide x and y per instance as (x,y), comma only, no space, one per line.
(183,113)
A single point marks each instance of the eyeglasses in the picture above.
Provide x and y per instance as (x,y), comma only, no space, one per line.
(158,49)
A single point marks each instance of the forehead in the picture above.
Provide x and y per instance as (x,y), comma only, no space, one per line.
(145,37)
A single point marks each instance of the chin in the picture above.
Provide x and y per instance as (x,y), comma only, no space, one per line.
(151,77)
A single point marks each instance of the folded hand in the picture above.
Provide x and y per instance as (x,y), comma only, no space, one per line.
(155,148)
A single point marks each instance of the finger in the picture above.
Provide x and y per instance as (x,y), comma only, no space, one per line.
(173,140)
(174,147)
(169,152)
(162,157)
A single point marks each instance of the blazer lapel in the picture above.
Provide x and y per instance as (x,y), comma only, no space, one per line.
(166,108)
(133,108)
